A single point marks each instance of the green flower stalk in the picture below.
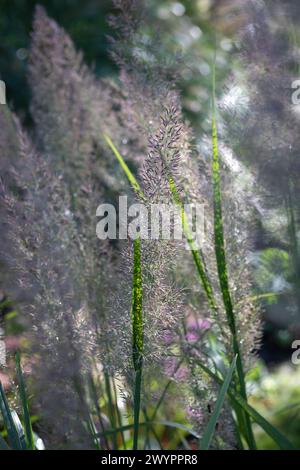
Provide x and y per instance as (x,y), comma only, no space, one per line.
(137,335)
(222,265)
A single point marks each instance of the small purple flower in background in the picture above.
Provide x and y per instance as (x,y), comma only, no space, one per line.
(174,370)
(196,329)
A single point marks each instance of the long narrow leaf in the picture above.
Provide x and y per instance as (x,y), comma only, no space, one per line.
(137,334)
(123,164)
(282,442)
(14,437)
(94,398)
(211,426)
(111,410)
(222,264)
(218,221)
(24,401)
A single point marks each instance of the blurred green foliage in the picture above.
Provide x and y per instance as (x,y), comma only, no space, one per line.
(273,272)
(276,395)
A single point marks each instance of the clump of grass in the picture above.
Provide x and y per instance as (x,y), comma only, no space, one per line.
(244,413)
(19,436)
(107,342)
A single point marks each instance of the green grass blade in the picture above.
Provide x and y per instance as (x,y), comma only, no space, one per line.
(178,426)
(221,260)
(161,399)
(137,312)
(152,429)
(128,173)
(137,335)
(24,401)
(15,439)
(94,398)
(111,410)
(211,426)
(218,221)
(164,393)
(20,430)
(282,442)
(92,432)
(137,406)
(200,267)
(258,297)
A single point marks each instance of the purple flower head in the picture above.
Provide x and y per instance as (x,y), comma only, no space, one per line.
(173,370)
(196,328)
